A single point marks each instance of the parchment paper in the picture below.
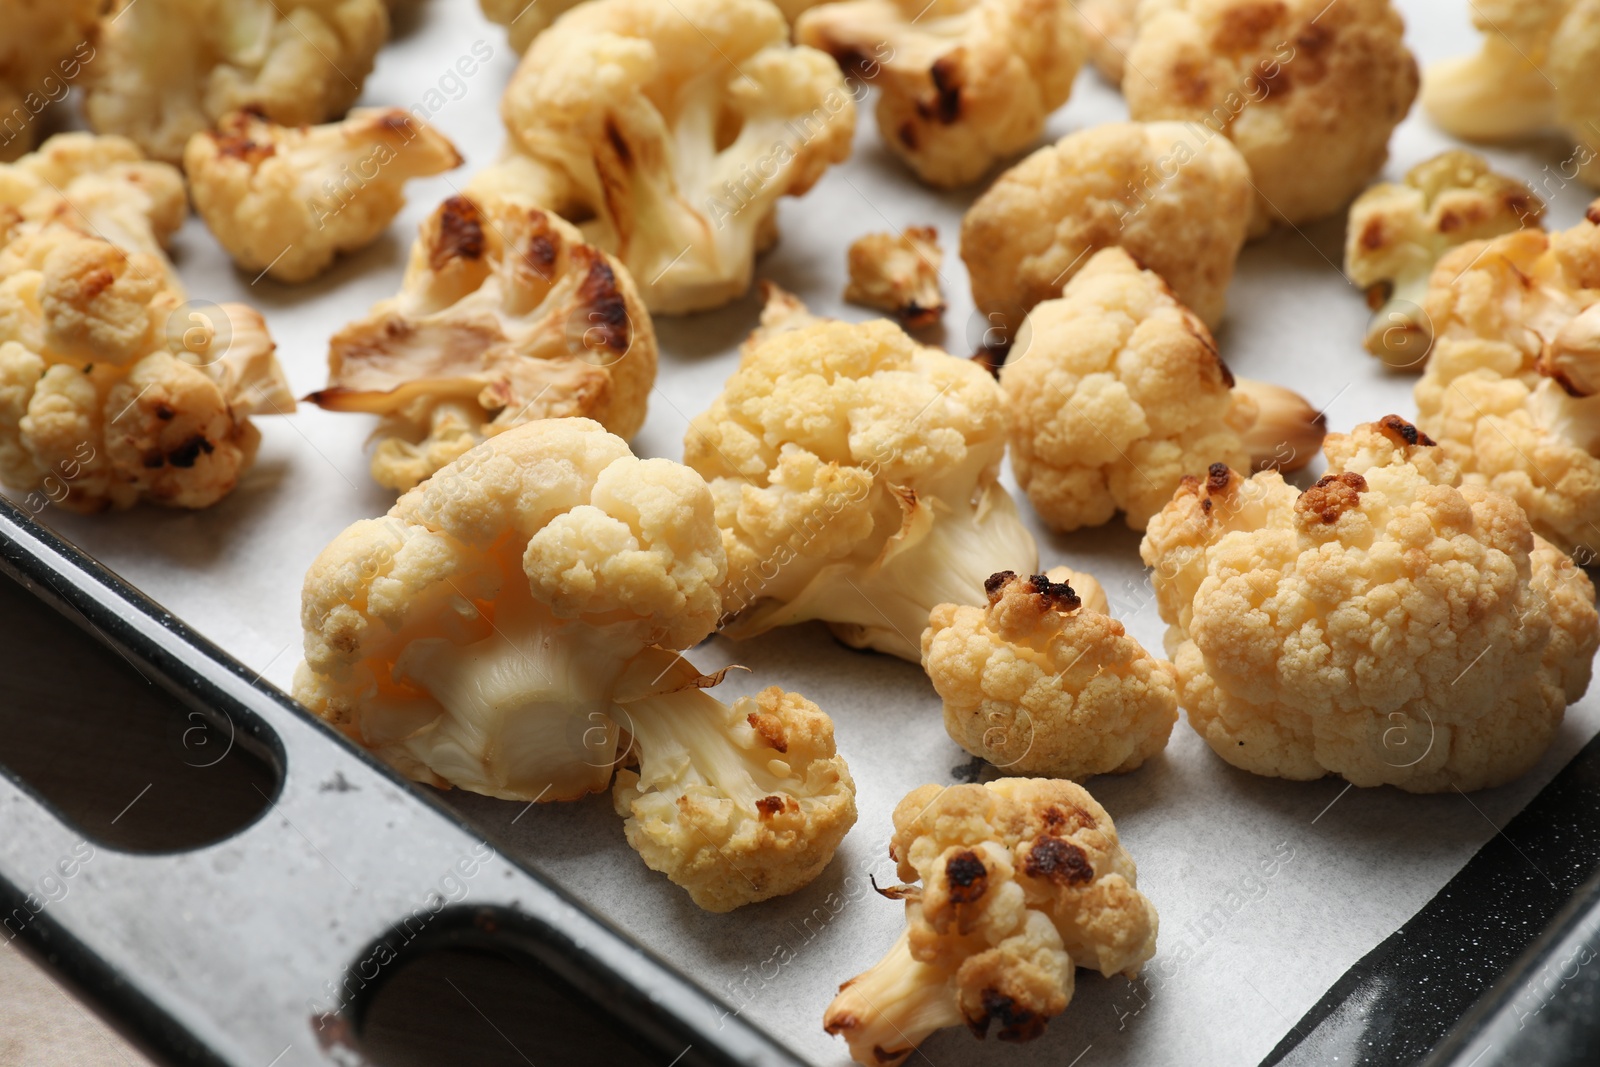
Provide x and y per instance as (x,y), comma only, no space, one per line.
(1267,890)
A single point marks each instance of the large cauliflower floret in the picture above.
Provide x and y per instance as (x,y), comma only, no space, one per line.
(856,479)
(1042,681)
(167,69)
(1117,392)
(286,200)
(1174,196)
(1022,881)
(1510,388)
(1398,231)
(964,83)
(1108,30)
(671,131)
(42,52)
(107,397)
(505,315)
(1309,91)
(1387,625)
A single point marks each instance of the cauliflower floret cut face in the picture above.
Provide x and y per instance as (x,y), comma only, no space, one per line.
(1309,91)
(1389,624)
(898,273)
(505,315)
(964,84)
(1021,881)
(43,51)
(285,201)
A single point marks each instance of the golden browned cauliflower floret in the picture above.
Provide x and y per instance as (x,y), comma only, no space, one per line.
(1389,624)
(1175,197)
(1042,681)
(1512,387)
(524,19)
(1108,30)
(963,84)
(856,474)
(1023,880)
(507,628)
(1398,231)
(1309,91)
(166,69)
(285,200)
(43,49)
(1117,392)
(670,131)
(107,397)
(505,315)
(898,273)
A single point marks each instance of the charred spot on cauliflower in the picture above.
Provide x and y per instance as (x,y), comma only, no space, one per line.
(898,273)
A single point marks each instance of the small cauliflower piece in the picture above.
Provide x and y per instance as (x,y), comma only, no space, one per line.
(1309,91)
(898,273)
(167,69)
(505,316)
(1398,231)
(1117,392)
(1022,881)
(1175,197)
(1390,624)
(964,84)
(285,201)
(507,628)
(1510,390)
(675,156)
(1108,29)
(1042,682)
(525,19)
(856,474)
(43,50)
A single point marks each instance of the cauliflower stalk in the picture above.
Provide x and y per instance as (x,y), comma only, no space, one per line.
(43,50)
(505,315)
(1022,881)
(1389,624)
(509,619)
(856,480)
(670,131)
(285,201)
(964,83)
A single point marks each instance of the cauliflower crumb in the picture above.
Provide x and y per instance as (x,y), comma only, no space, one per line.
(898,273)
(285,201)
(42,51)
(964,83)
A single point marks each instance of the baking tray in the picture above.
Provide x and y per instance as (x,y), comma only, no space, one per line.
(1306,954)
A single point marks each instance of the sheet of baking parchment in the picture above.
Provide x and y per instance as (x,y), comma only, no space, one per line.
(1267,890)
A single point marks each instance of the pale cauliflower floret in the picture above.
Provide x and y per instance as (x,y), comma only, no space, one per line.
(1022,881)
(1174,196)
(1044,682)
(1512,387)
(286,200)
(168,69)
(1387,625)
(671,131)
(1309,91)
(963,84)
(525,19)
(1117,392)
(1398,231)
(856,479)
(1108,30)
(898,273)
(43,49)
(505,315)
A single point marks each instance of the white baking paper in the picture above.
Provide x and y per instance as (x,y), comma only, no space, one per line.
(1267,890)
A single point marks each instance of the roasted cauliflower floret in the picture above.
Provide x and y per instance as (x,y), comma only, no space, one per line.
(1175,197)
(1108,30)
(964,83)
(505,315)
(1041,682)
(1309,91)
(675,154)
(509,619)
(1022,881)
(286,200)
(1398,231)
(165,70)
(1117,392)
(1389,624)
(1510,387)
(898,273)
(856,479)
(42,52)
(525,19)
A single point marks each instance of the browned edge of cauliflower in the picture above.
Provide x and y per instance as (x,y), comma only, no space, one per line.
(898,273)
